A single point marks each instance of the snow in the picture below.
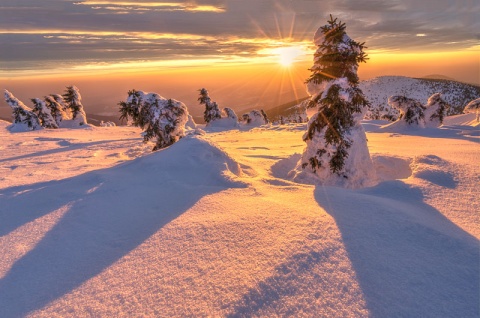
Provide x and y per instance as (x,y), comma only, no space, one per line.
(92,223)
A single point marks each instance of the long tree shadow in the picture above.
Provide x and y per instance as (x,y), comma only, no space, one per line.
(112,212)
(409,259)
(66,146)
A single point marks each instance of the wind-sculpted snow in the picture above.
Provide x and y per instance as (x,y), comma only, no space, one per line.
(214,226)
(106,215)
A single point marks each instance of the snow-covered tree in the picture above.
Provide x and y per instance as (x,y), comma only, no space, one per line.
(412,112)
(24,119)
(255,118)
(162,119)
(212,112)
(59,99)
(56,109)
(43,113)
(473,107)
(336,150)
(265,117)
(435,110)
(73,101)
(230,113)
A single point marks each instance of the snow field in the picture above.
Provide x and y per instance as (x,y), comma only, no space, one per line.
(213,226)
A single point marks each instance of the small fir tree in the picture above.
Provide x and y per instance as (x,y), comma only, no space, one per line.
(59,99)
(412,112)
(435,110)
(264,116)
(162,119)
(212,112)
(473,107)
(56,109)
(73,101)
(255,118)
(23,117)
(334,133)
(230,113)
(43,113)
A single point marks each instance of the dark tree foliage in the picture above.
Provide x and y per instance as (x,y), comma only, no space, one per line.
(44,114)
(436,100)
(161,119)
(337,57)
(73,101)
(411,110)
(212,112)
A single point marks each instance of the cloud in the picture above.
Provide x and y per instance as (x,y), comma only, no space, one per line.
(140,6)
(112,31)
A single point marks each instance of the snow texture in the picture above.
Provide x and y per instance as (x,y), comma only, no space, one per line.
(213,226)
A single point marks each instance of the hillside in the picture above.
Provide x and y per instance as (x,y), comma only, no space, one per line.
(377,91)
(94,224)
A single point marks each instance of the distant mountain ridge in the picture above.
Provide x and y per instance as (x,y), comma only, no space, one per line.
(379,89)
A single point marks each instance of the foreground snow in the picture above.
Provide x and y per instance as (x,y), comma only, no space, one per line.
(93,224)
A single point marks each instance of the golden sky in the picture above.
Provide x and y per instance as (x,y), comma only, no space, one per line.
(264,47)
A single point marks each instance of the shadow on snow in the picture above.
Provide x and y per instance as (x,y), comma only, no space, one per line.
(111,212)
(409,259)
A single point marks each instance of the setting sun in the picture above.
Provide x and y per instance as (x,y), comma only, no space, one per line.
(288,55)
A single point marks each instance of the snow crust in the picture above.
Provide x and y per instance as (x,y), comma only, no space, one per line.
(214,226)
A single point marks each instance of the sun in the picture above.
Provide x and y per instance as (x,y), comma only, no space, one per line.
(288,55)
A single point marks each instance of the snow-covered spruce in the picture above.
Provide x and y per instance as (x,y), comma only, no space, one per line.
(336,151)
(473,107)
(162,119)
(56,109)
(255,118)
(44,114)
(212,112)
(213,116)
(412,112)
(59,99)
(24,119)
(435,110)
(73,101)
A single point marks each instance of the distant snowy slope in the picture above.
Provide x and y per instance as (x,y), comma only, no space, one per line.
(379,89)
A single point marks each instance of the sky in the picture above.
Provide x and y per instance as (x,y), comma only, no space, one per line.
(249,52)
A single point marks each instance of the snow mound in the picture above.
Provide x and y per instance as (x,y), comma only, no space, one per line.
(106,214)
(391,168)
(461,120)
(434,170)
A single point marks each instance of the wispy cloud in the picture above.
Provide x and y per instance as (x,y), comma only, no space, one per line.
(34,33)
(150,6)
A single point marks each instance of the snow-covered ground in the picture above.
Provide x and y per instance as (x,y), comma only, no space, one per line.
(93,225)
